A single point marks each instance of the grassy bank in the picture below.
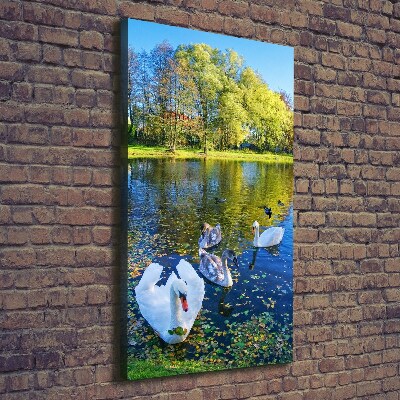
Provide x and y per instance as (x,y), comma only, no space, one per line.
(142,369)
(143,151)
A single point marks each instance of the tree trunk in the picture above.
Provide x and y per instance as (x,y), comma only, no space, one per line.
(205,142)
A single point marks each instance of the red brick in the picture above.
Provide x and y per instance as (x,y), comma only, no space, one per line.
(56,256)
(91,40)
(60,136)
(102,236)
(17,259)
(18,382)
(63,95)
(39,174)
(52,54)
(16,30)
(61,234)
(97,295)
(72,57)
(17,236)
(348,30)
(376,36)
(91,80)
(301,368)
(11,71)
(233,8)
(5,90)
(323,25)
(9,173)
(16,362)
(92,60)
(75,217)
(44,114)
(14,300)
(129,9)
(43,94)
(52,75)
(22,92)
(61,36)
(10,10)
(368,388)
(40,235)
(76,117)
(105,99)
(80,317)
(48,360)
(85,98)
(240,27)
(43,215)
(178,17)
(262,13)
(102,119)
(344,392)
(334,12)
(11,112)
(87,256)
(27,51)
(38,14)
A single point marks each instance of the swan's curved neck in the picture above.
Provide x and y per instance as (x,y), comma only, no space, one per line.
(256,235)
(227,272)
(176,310)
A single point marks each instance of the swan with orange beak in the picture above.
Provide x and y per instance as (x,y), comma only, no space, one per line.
(170,309)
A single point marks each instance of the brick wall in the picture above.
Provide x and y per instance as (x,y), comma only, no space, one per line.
(59,159)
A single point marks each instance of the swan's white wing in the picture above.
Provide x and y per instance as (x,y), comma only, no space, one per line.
(150,277)
(154,300)
(195,293)
(271,236)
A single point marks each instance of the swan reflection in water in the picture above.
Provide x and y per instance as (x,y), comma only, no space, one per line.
(225,309)
(253,260)
(273,250)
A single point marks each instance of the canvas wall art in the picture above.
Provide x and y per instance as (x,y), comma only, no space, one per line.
(209,201)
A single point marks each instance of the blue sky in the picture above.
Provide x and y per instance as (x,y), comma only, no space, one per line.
(273,62)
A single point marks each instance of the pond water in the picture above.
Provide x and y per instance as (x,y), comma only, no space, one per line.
(168,200)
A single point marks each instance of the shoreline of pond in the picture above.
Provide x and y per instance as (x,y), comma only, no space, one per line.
(238,155)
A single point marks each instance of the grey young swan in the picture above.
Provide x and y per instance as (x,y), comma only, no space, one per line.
(216,269)
(210,236)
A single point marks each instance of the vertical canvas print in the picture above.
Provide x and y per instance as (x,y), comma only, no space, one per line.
(209,202)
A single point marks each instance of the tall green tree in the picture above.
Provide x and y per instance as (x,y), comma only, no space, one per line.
(133,95)
(162,71)
(205,64)
(268,115)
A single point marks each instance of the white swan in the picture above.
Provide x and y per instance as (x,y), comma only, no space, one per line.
(270,237)
(163,305)
(216,269)
(210,236)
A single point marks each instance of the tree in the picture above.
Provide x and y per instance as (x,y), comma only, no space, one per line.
(232,116)
(205,63)
(268,115)
(161,63)
(133,95)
